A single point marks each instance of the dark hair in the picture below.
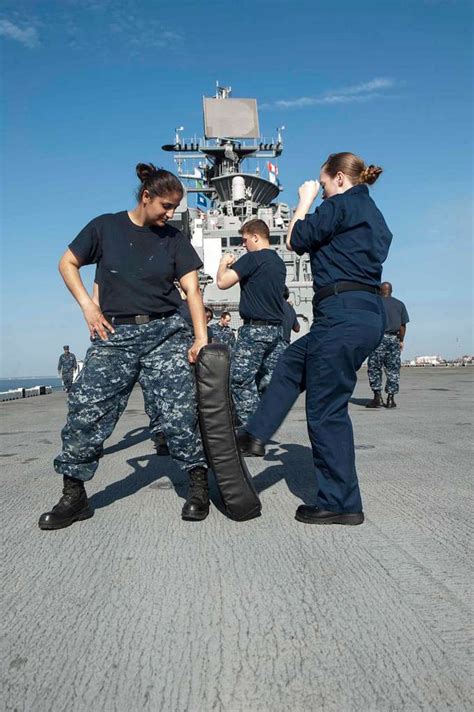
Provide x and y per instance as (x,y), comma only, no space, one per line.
(353,167)
(157,181)
(226,313)
(256,225)
(286,292)
(208,310)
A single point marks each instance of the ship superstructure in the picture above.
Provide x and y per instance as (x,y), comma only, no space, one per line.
(226,169)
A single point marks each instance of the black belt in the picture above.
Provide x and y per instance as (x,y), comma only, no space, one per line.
(139,318)
(262,322)
(340,287)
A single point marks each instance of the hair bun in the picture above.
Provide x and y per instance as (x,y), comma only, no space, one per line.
(370,174)
(145,170)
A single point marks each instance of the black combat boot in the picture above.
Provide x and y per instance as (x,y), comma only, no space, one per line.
(391,401)
(376,402)
(250,446)
(161,446)
(196,506)
(72,507)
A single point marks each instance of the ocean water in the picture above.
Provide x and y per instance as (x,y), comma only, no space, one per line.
(8,384)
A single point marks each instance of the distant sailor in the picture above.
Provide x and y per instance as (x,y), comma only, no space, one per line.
(261,273)
(140,332)
(221,331)
(66,366)
(387,355)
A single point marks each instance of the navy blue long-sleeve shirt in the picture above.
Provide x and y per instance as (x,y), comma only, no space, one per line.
(346,237)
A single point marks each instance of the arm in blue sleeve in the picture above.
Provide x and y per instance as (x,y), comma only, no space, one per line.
(318,227)
(244,266)
(86,246)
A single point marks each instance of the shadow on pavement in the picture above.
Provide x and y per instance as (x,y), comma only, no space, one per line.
(146,470)
(360,401)
(133,437)
(295,467)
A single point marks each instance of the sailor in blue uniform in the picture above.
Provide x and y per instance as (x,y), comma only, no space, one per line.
(347,240)
(222,332)
(261,274)
(139,336)
(67,364)
(387,355)
(290,320)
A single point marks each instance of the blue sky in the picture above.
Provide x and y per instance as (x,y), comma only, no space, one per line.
(91,88)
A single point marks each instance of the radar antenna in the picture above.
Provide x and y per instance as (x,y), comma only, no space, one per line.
(222,92)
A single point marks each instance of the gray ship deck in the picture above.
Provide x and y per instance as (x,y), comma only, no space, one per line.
(137,610)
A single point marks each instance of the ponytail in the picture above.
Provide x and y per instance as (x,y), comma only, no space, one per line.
(157,181)
(370,174)
(352,166)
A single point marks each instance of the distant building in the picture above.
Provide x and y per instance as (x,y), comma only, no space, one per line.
(466,360)
(428,361)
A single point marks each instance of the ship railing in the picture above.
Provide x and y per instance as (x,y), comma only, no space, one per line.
(197,143)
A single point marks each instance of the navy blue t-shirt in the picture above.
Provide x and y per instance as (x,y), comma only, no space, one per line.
(136,266)
(346,237)
(396,314)
(289,320)
(262,276)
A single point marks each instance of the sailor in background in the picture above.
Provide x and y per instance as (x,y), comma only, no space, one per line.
(139,331)
(221,331)
(290,320)
(387,355)
(261,274)
(66,366)
(347,240)
(209,317)
(290,323)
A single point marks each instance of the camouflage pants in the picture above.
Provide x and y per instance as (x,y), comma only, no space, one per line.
(150,404)
(386,356)
(253,360)
(67,377)
(155,353)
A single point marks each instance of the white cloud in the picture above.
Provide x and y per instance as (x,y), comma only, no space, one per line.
(378,83)
(357,93)
(27,36)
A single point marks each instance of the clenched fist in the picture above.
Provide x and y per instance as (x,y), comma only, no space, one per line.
(308,191)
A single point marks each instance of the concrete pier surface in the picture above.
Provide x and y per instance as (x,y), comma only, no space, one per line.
(135,609)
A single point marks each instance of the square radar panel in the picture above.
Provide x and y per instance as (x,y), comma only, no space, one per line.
(231,118)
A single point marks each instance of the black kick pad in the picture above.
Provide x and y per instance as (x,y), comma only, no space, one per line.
(215,417)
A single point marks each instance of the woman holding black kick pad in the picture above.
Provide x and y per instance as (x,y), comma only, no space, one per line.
(139,330)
